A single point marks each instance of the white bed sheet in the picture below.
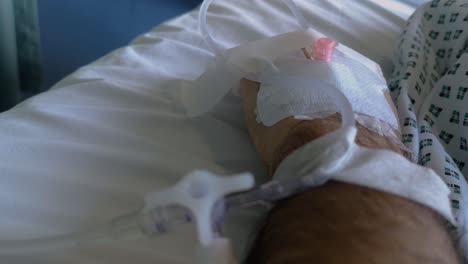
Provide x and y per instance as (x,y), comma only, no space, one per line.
(88,149)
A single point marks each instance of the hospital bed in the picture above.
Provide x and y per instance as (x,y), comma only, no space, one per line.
(90,147)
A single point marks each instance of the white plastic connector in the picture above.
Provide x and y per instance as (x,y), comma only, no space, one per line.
(219,252)
(198,192)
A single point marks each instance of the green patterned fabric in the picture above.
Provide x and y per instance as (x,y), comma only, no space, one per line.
(19,50)
(429,85)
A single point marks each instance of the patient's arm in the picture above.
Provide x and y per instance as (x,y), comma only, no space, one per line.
(338,222)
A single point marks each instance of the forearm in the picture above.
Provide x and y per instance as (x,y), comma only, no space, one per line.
(342,223)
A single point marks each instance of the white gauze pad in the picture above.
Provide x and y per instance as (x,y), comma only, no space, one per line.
(292,89)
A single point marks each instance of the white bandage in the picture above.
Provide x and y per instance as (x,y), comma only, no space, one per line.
(336,157)
(296,88)
(290,82)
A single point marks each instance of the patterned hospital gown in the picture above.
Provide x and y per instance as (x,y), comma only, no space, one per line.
(429,85)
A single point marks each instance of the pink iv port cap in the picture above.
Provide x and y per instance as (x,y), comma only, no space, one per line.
(323,49)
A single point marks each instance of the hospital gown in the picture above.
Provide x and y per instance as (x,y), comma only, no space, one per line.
(429,85)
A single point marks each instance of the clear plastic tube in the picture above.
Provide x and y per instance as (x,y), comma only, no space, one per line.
(127,226)
(203,26)
(265,194)
(117,228)
(162,220)
(21,247)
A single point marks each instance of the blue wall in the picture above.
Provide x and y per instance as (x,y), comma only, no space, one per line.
(76,32)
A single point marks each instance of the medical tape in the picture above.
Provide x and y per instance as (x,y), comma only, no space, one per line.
(269,62)
(292,90)
(336,156)
(225,71)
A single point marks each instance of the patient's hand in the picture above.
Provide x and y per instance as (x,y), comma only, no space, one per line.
(276,142)
(338,222)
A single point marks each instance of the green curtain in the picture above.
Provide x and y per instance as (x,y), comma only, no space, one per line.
(20,70)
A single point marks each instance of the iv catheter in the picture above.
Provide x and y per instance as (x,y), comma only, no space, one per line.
(159,220)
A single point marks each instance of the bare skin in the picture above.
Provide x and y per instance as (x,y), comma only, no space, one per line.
(338,222)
